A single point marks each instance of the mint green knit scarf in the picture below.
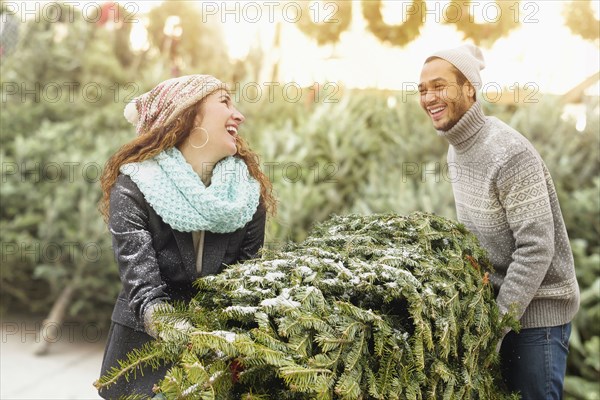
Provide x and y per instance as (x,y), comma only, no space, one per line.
(174,190)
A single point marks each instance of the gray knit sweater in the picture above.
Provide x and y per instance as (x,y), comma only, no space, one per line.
(505,196)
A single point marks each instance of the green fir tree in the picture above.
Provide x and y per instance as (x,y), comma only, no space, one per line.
(367,307)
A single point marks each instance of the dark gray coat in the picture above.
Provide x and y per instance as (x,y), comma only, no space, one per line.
(157,263)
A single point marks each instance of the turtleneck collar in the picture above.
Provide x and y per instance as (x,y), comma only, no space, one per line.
(466,127)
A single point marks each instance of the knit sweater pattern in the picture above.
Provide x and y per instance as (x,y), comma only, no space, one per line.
(505,196)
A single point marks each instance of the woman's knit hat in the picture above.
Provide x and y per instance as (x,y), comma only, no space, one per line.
(468,59)
(161,105)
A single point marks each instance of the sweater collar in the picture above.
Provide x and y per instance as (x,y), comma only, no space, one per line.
(466,127)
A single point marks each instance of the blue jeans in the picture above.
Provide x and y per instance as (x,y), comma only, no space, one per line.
(534,361)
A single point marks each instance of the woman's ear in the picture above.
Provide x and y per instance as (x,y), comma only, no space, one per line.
(199,112)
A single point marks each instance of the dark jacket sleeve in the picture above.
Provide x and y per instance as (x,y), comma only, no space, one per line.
(255,235)
(132,245)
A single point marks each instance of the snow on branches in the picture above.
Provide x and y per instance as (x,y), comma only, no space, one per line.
(367,307)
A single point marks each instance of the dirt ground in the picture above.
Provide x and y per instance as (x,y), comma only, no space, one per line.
(67,371)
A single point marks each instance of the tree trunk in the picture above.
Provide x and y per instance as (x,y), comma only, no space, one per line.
(55,318)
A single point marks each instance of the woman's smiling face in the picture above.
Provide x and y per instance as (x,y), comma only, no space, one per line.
(220,120)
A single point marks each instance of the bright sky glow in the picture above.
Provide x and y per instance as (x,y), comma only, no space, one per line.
(541,51)
(361,61)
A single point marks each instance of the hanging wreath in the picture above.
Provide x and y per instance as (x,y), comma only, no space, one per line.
(333,18)
(579,17)
(487,33)
(398,35)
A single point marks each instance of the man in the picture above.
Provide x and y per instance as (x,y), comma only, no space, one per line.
(504,195)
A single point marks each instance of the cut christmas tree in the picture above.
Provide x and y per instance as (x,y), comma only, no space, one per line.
(367,307)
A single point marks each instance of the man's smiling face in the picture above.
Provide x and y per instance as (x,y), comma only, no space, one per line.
(442,96)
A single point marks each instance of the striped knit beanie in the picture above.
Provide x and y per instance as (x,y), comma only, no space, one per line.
(468,59)
(161,105)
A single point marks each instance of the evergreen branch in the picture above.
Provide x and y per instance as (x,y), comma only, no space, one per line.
(383,383)
(356,352)
(147,355)
(302,379)
(348,385)
(328,342)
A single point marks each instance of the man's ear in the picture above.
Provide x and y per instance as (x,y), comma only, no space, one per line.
(470,90)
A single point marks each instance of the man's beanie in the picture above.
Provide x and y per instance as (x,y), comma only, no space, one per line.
(468,59)
(161,105)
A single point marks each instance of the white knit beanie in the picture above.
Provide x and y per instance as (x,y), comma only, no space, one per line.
(468,59)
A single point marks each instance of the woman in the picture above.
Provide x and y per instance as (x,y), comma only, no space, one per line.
(183,199)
